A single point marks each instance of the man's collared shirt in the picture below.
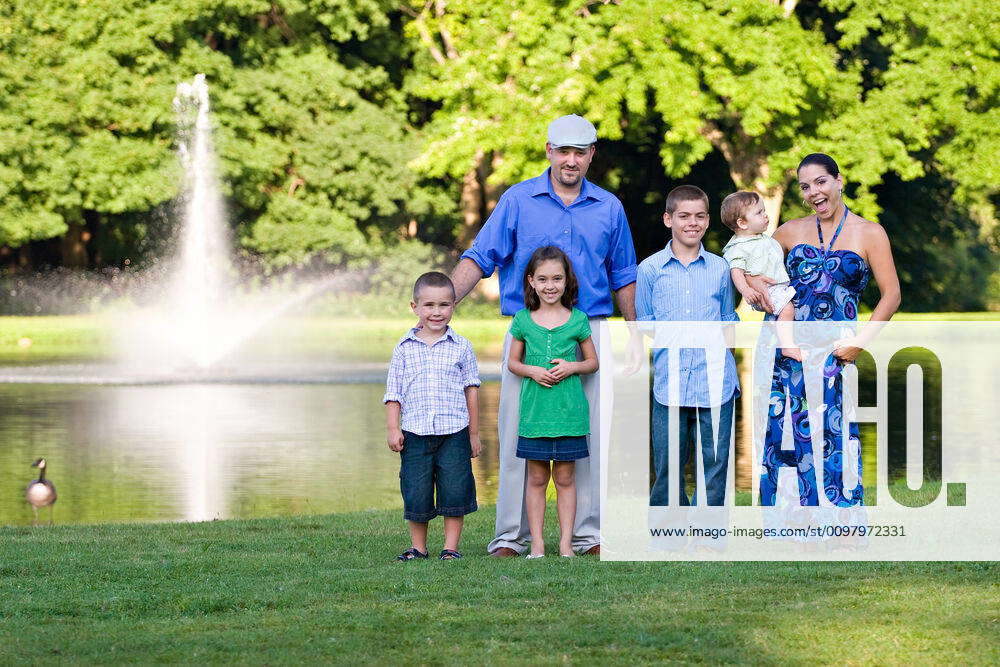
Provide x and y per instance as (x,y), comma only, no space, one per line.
(429,381)
(702,291)
(592,231)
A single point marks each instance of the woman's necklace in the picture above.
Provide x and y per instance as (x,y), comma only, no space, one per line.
(840,226)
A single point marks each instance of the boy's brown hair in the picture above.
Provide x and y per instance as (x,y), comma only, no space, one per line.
(735,207)
(685,193)
(432,279)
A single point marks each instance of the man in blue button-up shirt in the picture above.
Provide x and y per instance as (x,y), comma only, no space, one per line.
(684,282)
(559,207)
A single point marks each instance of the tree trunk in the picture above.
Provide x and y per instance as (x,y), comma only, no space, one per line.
(773,197)
(478,198)
(751,172)
(73,246)
(491,193)
(471,202)
(748,167)
(95,234)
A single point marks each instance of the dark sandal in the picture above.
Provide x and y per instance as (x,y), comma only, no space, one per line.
(449,554)
(411,554)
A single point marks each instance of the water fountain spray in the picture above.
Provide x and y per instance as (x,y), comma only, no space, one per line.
(203,270)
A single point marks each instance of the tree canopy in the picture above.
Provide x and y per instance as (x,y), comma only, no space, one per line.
(311,128)
(756,81)
(346,127)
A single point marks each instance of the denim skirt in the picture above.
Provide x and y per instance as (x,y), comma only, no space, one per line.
(567,448)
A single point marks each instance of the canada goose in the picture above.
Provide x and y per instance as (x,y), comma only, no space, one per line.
(40,492)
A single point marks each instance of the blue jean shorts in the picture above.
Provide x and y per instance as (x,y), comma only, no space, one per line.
(566,448)
(441,464)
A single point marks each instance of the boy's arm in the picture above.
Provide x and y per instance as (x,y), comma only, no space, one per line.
(393,401)
(395,437)
(470,379)
(728,310)
(643,296)
(643,299)
(472,401)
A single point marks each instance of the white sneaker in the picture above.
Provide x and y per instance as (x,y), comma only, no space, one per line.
(530,556)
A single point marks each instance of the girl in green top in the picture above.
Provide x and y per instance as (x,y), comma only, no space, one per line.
(555,417)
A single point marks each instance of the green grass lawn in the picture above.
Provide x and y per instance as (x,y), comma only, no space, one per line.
(68,338)
(323,589)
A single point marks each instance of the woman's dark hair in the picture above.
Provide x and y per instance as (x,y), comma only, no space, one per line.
(821,159)
(543,254)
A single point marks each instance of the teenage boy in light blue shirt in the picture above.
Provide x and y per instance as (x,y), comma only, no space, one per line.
(684,282)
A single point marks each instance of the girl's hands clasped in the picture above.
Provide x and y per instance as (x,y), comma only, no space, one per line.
(542,376)
(562,369)
(552,376)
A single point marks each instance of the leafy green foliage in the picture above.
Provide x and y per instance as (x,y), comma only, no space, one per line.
(499,76)
(341,124)
(762,87)
(941,85)
(311,136)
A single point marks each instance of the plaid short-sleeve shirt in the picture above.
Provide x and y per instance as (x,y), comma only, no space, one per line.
(429,381)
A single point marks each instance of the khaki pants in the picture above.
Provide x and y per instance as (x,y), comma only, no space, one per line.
(512,519)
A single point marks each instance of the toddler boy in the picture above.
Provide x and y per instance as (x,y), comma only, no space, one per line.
(753,252)
(432,415)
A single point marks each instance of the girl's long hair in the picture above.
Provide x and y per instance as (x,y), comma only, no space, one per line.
(568,298)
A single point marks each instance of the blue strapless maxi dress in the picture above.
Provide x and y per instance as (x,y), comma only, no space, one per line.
(828,284)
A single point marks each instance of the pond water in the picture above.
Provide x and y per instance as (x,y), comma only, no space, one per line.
(205,451)
(251,446)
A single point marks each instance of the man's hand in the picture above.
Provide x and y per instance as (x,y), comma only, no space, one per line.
(542,376)
(562,369)
(395,440)
(477,444)
(633,353)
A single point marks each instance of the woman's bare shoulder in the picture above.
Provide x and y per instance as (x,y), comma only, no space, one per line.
(869,231)
(791,231)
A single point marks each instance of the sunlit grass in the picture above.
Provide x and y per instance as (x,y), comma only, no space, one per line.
(322,589)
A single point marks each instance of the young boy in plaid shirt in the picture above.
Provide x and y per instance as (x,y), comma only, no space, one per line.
(432,415)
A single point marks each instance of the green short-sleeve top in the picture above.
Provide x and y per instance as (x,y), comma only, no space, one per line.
(560,410)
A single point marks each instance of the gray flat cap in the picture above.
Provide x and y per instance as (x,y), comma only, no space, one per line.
(572,130)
